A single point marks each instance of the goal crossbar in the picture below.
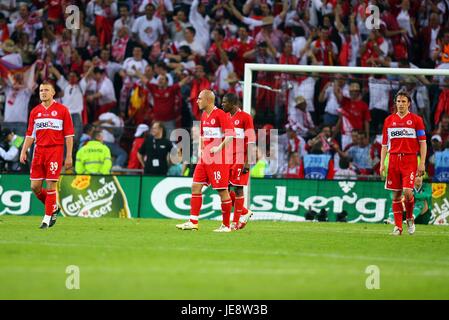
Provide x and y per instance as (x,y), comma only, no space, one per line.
(290,68)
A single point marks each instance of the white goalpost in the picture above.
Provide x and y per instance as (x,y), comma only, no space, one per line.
(250,67)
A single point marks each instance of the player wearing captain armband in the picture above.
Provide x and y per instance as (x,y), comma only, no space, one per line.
(403,137)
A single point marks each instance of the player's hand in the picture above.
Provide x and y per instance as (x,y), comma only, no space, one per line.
(245,169)
(382,169)
(23,158)
(421,169)
(215,149)
(68,163)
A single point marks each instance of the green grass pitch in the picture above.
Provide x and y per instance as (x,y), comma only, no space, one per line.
(150,259)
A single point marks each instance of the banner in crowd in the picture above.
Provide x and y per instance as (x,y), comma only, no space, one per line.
(160,197)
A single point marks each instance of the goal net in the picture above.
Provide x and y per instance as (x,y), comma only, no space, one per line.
(323,129)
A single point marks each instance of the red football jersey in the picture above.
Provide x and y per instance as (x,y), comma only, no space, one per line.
(49,126)
(244,134)
(213,129)
(402,135)
(354,113)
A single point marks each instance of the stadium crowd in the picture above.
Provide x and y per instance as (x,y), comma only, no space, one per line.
(131,70)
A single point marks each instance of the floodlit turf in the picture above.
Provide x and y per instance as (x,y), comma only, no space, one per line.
(150,259)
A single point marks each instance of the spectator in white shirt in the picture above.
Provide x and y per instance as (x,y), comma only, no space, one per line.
(379,99)
(112,130)
(303,87)
(125,20)
(167,5)
(300,44)
(193,42)
(129,76)
(178,25)
(17,94)
(221,74)
(73,98)
(200,21)
(104,96)
(328,95)
(147,29)
(104,62)
(27,23)
(300,119)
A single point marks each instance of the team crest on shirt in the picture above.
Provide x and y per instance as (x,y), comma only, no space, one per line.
(54,113)
(212,121)
(236,122)
(409,122)
(394,123)
(39,114)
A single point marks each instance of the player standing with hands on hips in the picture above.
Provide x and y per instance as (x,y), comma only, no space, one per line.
(49,125)
(403,137)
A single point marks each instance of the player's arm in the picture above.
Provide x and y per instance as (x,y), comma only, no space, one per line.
(69,149)
(200,147)
(223,144)
(384,149)
(69,133)
(422,154)
(383,155)
(26,145)
(252,156)
(421,135)
(251,146)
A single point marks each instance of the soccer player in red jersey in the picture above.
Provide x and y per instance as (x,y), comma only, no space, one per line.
(216,132)
(403,137)
(49,125)
(244,143)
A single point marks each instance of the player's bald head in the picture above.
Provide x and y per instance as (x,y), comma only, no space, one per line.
(206,99)
(208,95)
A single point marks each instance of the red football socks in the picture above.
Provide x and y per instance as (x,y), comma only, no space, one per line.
(409,205)
(226,207)
(397,211)
(50,202)
(238,207)
(195,207)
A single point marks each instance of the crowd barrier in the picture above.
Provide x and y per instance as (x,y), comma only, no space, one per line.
(169,197)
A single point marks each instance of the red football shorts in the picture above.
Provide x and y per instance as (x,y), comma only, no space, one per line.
(216,175)
(237,177)
(47,163)
(401,171)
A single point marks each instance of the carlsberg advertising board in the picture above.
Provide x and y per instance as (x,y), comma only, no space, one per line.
(271,199)
(92,196)
(159,197)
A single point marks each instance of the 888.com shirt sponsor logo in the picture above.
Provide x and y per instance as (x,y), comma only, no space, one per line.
(401,133)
